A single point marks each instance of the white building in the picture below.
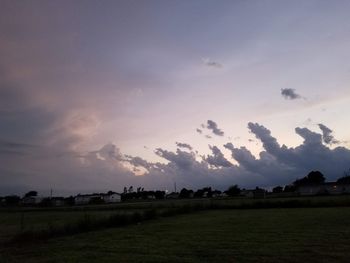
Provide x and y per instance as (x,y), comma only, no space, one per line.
(112,198)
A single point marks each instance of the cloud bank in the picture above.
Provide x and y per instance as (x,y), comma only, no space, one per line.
(44,167)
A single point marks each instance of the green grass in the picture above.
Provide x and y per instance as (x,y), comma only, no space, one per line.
(54,221)
(254,235)
(12,224)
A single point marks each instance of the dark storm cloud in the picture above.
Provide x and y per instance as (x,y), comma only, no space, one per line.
(290,94)
(211,125)
(327,136)
(184,145)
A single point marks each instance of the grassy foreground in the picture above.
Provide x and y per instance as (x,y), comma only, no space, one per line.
(253,235)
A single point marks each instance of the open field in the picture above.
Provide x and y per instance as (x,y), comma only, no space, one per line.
(251,235)
(15,221)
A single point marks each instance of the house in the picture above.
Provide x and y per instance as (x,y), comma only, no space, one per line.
(86,199)
(331,188)
(259,193)
(32,200)
(57,201)
(247,193)
(306,190)
(111,197)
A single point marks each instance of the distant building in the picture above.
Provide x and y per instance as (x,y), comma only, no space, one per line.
(172,195)
(112,197)
(331,188)
(259,193)
(57,201)
(31,200)
(247,193)
(97,198)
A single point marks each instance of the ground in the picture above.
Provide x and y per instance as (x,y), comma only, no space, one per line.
(249,235)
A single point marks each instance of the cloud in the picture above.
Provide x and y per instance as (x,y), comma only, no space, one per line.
(217,159)
(182,159)
(312,154)
(264,135)
(184,145)
(9,147)
(290,94)
(138,162)
(199,131)
(327,136)
(108,168)
(211,125)
(211,63)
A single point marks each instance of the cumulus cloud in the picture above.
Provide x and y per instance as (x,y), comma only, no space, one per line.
(184,145)
(108,168)
(139,162)
(290,94)
(211,125)
(312,154)
(327,136)
(217,159)
(211,63)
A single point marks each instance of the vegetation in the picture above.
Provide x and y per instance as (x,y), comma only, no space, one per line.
(25,224)
(268,235)
(233,190)
(314,177)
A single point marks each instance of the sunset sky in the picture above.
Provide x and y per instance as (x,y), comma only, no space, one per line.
(98,95)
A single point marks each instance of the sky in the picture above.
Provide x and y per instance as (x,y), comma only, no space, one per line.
(98,95)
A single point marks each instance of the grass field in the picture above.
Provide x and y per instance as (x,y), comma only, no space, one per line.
(228,230)
(254,235)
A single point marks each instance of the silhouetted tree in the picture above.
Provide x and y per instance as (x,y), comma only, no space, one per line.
(277,189)
(345,179)
(31,193)
(12,200)
(233,190)
(289,188)
(184,193)
(69,200)
(314,177)
(159,194)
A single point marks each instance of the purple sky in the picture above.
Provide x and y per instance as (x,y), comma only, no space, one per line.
(98,95)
